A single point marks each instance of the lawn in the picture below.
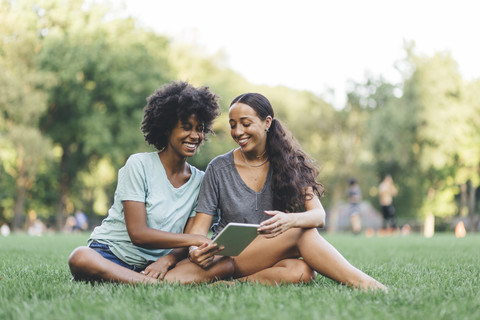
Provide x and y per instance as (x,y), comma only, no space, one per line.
(436,278)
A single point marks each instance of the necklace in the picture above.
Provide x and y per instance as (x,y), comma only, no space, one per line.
(255,178)
(251,165)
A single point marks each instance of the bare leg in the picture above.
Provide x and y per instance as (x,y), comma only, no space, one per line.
(284,271)
(188,272)
(325,259)
(88,265)
(320,255)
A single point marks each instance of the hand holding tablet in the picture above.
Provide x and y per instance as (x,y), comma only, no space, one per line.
(235,237)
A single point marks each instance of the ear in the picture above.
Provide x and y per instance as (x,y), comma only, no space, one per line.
(268,122)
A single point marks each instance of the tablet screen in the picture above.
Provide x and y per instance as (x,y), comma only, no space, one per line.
(235,237)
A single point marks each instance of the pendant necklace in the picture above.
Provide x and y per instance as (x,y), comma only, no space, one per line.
(255,166)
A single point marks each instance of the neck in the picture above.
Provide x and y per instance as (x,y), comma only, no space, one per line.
(254,160)
(172,162)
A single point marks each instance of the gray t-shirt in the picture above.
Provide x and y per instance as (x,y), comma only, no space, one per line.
(223,192)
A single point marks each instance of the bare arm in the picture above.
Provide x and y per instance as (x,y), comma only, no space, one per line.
(203,255)
(201,225)
(159,268)
(312,217)
(144,236)
(181,253)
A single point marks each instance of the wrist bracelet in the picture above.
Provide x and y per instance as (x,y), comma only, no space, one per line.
(192,248)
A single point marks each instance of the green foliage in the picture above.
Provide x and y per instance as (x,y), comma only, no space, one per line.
(421,135)
(23,148)
(35,284)
(104,70)
(436,92)
(74,83)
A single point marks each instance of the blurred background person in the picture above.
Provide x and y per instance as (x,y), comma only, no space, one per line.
(81,221)
(354,195)
(35,227)
(386,192)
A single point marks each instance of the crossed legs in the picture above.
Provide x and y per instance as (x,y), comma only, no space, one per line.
(284,271)
(268,261)
(88,265)
(317,253)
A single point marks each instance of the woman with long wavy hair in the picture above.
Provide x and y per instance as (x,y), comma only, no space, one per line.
(269,180)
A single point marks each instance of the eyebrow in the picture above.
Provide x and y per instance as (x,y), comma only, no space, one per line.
(242,118)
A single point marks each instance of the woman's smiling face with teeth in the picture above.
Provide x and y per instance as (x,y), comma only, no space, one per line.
(186,136)
(247,129)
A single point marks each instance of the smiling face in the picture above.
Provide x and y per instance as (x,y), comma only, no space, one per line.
(247,129)
(186,136)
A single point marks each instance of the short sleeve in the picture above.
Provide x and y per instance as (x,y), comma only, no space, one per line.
(208,196)
(131,181)
(193,213)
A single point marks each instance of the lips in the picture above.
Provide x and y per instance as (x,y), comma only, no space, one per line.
(191,146)
(243,141)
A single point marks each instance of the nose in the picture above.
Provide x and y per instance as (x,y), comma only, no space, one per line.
(196,134)
(237,132)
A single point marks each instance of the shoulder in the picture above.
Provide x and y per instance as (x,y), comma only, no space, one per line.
(197,174)
(146,160)
(221,161)
(143,157)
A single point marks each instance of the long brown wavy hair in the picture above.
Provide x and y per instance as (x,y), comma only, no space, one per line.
(293,170)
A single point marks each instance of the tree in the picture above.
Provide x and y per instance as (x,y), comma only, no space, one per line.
(389,141)
(104,70)
(435,90)
(468,155)
(22,102)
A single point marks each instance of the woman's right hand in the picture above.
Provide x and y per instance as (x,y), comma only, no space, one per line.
(204,254)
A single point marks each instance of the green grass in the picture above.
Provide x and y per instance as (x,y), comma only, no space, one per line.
(437,278)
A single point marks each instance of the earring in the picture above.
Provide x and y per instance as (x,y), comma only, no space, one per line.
(267,129)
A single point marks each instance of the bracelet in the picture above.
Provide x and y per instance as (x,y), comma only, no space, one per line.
(192,248)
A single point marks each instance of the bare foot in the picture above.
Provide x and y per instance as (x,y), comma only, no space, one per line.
(373,285)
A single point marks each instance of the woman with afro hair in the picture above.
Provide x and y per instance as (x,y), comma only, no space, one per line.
(155,199)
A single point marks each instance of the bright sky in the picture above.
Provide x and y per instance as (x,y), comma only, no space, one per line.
(319,45)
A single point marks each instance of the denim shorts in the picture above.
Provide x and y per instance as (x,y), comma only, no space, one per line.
(105,252)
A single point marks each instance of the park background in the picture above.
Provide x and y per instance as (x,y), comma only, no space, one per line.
(75,75)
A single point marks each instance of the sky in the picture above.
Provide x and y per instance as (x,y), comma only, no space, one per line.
(319,46)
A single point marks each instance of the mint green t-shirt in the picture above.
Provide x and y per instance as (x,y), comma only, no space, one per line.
(143,179)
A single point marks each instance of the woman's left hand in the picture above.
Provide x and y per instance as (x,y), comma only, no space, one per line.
(277,224)
(159,268)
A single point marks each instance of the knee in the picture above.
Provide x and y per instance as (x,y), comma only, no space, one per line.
(303,273)
(78,259)
(227,266)
(298,271)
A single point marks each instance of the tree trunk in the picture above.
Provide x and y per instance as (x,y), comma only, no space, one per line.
(63,190)
(333,212)
(21,194)
(463,199)
(60,215)
(471,208)
(19,209)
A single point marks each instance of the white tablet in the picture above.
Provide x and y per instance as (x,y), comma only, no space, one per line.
(235,237)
